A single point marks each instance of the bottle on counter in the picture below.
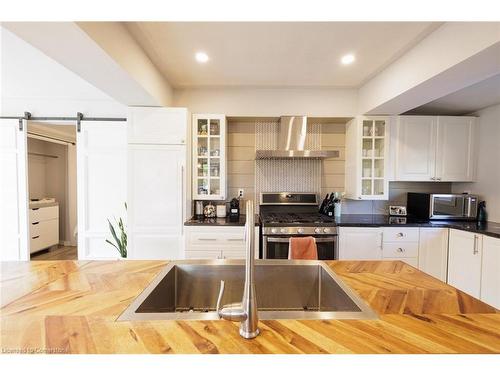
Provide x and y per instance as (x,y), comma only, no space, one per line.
(482,215)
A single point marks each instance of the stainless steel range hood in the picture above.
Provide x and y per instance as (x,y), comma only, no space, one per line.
(292,138)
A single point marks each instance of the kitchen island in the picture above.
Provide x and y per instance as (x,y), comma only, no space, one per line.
(71,307)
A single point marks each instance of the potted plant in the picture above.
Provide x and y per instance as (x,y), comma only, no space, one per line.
(119,236)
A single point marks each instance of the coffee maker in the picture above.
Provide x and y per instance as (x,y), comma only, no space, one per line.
(234,209)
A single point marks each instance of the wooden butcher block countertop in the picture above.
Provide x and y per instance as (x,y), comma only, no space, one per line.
(71,307)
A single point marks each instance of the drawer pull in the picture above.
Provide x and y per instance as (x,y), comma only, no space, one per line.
(400,250)
(34,209)
(34,238)
(400,234)
(36,223)
(207,239)
(235,239)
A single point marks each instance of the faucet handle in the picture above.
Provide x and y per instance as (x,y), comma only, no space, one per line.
(219,298)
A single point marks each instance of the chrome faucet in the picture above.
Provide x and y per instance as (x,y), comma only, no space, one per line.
(245,312)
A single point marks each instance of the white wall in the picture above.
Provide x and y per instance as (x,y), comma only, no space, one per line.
(269,102)
(33,82)
(488,167)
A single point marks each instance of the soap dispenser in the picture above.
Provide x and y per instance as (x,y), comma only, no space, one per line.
(482,215)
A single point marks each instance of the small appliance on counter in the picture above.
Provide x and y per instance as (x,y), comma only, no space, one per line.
(221,210)
(234,208)
(198,211)
(442,206)
(209,210)
(397,210)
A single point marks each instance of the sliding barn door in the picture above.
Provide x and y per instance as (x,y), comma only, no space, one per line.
(13,191)
(101,185)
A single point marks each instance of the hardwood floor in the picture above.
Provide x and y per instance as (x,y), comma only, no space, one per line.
(58,252)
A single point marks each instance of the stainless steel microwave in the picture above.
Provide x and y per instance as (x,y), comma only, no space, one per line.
(442,206)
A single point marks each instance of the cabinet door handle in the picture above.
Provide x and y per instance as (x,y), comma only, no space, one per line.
(34,238)
(34,209)
(235,239)
(400,250)
(400,234)
(433,178)
(475,245)
(207,239)
(381,240)
(35,223)
(438,178)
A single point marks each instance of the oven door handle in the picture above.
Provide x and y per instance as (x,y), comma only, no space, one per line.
(287,239)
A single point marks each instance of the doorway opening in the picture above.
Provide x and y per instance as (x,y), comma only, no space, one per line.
(52,191)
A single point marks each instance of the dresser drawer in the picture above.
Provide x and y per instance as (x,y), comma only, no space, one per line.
(400,234)
(44,234)
(400,250)
(43,213)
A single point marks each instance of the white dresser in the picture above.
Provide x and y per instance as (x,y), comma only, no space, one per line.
(44,226)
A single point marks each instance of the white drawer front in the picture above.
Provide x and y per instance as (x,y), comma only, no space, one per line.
(411,261)
(43,213)
(44,234)
(400,250)
(217,238)
(400,234)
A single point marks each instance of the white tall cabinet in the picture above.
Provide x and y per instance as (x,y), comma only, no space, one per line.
(157,193)
(430,148)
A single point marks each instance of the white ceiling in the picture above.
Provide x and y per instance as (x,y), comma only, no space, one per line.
(470,99)
(275,54)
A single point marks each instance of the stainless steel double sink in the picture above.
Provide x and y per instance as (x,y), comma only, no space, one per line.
(286,289)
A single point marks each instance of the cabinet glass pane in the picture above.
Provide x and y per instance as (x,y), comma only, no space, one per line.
(202,147)
(214,127)
(214,186)
(378,168)
(366,187)
(203,127)
(378,187)
(214,167)
(367,128)
(202,186)
(202,167)
(214,146)
(379,148)
(367,149)
(379,128)
(367,168)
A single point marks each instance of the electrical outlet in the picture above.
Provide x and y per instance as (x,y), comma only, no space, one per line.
(241,192)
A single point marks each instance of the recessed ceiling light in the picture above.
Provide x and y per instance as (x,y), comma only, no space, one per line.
(348,59)
(201,57)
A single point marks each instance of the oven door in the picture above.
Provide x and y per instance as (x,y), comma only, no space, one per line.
(276,247)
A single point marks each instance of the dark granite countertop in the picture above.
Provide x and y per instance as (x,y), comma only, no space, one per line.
(221,221)
(489,228)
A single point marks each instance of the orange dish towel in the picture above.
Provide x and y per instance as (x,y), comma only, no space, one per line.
(302,248)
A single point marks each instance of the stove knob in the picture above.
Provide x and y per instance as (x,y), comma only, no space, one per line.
(317,230)
(300,230)
(283,230)
(326,230)
(274,230)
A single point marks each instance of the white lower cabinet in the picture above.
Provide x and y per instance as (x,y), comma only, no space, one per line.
(464,262)
(490,273)
(360,243)
(433,252)
(400,244)
(217,242)
(43,228)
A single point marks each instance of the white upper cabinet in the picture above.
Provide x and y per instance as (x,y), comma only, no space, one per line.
(157,125)
(367,158)
(415,148)
(455,154)
(430,148)
(464,261)
(360,243)
(209,157)
(490,275)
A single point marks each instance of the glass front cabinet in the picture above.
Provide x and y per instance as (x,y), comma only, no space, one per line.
(209,157)
(367,154)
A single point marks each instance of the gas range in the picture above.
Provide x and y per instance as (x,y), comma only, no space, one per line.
(294,213)
(285,215)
